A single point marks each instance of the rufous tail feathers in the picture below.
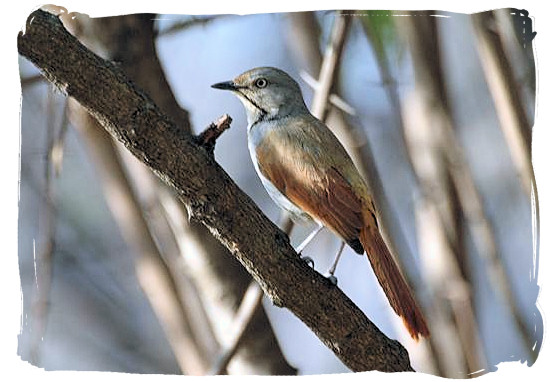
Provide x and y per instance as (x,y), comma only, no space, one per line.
(392,282)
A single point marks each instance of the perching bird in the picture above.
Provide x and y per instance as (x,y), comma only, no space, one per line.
(307,172)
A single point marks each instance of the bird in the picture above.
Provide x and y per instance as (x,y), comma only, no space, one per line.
(307,172)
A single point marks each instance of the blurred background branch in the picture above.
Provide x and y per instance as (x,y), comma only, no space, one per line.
(43,256)
(439,219)
(506,97)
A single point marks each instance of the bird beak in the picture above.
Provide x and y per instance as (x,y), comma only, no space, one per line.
(227,85)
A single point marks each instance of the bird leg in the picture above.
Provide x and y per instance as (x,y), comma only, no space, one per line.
(305,243)
(332,268)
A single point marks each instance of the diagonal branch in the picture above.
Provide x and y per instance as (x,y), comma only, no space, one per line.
(209,194)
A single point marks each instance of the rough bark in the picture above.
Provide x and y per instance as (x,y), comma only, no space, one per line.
(209,194)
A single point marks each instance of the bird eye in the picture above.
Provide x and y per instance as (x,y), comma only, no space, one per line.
(261,83)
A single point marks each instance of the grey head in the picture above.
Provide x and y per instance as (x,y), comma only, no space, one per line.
(267,94)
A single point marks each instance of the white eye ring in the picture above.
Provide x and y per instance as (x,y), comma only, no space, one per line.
(261,83)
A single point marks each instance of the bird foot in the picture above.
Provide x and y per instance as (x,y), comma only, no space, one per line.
(333,280)
(308,260)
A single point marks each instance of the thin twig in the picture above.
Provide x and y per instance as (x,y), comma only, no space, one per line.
(334,99)
(251,301)
(322,97)
(189,23)
(361,153)
(33,79)
(329,66)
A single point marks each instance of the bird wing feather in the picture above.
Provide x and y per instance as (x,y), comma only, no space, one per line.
(318,188)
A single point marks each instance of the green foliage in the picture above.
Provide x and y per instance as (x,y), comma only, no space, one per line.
(382,33)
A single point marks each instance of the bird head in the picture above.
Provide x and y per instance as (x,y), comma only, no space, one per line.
(267,94)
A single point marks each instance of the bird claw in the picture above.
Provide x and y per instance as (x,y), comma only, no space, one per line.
(308,260)
(333,280)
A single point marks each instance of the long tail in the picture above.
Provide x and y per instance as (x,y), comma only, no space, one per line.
(392,282)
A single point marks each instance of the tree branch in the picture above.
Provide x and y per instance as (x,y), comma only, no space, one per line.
(210,135)
(209,194)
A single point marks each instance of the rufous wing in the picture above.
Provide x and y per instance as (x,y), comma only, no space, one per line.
(321,192)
